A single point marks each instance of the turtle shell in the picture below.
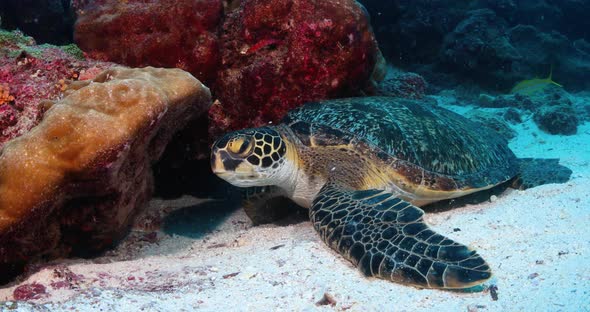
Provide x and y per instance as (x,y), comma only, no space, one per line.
(422,134)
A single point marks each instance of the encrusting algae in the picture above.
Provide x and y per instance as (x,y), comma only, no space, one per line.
(5,96)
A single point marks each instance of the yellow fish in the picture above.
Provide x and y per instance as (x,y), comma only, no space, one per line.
(532,86)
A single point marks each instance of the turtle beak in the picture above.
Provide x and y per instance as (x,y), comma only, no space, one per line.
(216,163)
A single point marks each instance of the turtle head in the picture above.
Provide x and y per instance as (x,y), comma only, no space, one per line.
(250,157)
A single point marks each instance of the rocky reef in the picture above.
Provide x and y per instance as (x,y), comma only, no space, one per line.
(493,44)
(552,110)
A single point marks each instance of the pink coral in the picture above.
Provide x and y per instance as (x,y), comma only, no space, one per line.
(33,77)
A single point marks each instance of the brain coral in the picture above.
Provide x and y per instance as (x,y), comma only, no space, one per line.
(73,183)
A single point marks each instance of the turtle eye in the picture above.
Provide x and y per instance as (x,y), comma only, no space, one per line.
(240,146)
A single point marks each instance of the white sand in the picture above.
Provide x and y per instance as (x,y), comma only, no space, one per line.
(537,242)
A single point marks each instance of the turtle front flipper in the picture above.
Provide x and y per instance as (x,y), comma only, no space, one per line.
(386,237)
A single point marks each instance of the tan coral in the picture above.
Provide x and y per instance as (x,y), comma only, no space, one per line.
(86,166)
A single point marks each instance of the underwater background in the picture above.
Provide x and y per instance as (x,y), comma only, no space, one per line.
(108,110)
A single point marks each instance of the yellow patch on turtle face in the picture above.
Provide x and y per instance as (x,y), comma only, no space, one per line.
(240,146)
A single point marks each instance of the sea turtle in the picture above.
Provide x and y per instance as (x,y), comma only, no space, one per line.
(363,166)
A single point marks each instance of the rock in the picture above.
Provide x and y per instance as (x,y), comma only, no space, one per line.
(479,43)
(277,55)
(486,100)
(553,109)
(551,94)
(557,119)
(159,33)
(513,116)
(377,76)
(73,184)
(535,44)
(503,101)
(32,73)
(581,104)
(48,21)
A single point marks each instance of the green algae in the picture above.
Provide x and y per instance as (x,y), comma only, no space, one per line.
(14,38)
(13,43)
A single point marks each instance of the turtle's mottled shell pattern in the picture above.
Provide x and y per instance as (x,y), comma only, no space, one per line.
(423,135)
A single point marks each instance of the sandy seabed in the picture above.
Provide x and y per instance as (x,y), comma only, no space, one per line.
(192,254)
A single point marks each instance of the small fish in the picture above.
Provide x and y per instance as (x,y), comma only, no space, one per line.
(532,86)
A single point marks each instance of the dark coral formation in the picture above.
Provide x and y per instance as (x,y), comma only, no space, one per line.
(411,32)
(512,116)
(31,74)
(73,184)
(48,21)
(492,43)
(278,55)
(552,110)
(478,43)
(559,119)
(137,33)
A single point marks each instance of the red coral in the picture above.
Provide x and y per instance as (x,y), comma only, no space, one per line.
(261,60)
(31,291)
(262,44)
(327,49)
(159,33)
